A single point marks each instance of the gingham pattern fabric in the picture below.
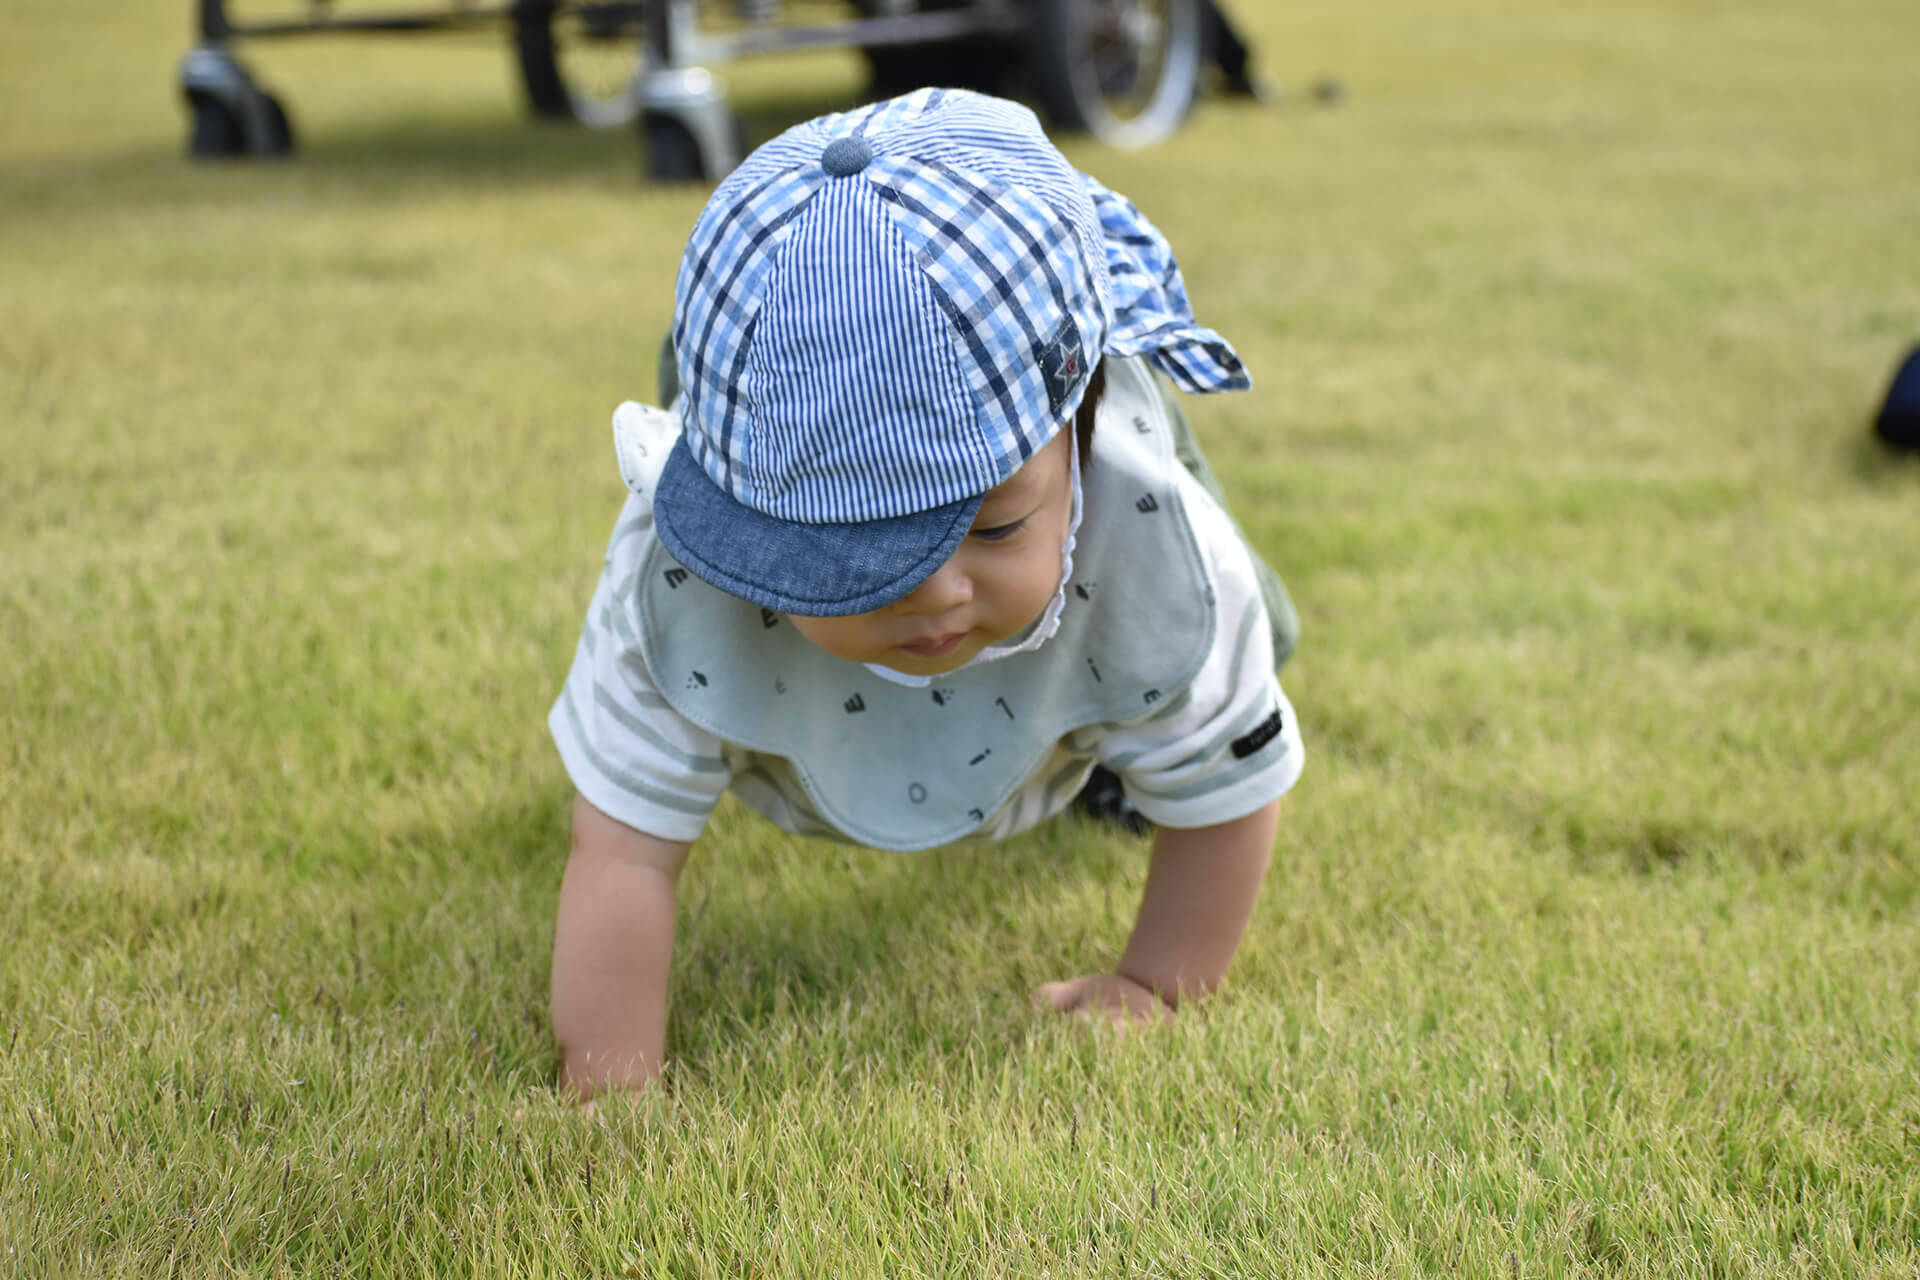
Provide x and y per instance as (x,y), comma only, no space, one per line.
(887,340)
(1152,316)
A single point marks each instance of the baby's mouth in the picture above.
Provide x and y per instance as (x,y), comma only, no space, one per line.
(936,646)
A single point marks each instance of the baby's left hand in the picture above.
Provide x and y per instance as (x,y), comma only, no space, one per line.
(1108,995)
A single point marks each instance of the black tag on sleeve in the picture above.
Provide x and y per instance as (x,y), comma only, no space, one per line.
(1263,733)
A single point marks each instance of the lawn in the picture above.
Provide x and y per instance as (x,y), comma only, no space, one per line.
(1592,946)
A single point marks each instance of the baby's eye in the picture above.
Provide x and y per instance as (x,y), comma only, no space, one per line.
(998,533)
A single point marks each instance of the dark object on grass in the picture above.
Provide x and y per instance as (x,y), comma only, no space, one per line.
(1899,420)
(1222,46)
(1104,800)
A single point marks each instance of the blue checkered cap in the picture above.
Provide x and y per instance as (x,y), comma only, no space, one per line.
(880,316)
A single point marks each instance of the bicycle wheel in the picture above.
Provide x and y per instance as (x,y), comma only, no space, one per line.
(1124,71)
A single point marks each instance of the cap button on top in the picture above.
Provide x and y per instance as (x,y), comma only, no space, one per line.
(846,156)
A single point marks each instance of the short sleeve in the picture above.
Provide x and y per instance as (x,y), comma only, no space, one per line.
(627,750)
(1228,744)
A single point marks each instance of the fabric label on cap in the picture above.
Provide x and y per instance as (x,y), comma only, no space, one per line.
(1061,365)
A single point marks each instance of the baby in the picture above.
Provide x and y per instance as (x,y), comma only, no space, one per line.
(923,542)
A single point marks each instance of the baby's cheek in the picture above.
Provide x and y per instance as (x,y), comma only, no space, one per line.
(1038,579)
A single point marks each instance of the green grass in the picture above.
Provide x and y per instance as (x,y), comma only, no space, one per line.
(1591,947)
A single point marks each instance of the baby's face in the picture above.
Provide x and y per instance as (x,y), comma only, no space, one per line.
(996,584)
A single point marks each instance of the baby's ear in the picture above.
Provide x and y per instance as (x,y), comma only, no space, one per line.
(642,437)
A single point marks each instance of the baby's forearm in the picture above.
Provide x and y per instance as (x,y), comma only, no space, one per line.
(1201,887)
(612,950)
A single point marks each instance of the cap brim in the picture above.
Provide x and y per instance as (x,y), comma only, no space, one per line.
(814,570)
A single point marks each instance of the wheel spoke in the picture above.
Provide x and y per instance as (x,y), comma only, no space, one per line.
(1126,44)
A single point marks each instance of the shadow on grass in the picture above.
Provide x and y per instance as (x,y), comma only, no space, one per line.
(1878,464)
(924,970)
(849,955)
(488,150)
(379,160)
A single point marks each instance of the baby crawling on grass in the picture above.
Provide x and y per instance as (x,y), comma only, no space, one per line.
(923,542)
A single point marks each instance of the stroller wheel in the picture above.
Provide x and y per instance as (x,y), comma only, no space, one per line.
(1125,71)
(672,154)
(277,130)
(216,130)
(581,60)
(231,114)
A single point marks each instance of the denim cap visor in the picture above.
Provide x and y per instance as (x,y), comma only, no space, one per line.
(880,316)
(819,569)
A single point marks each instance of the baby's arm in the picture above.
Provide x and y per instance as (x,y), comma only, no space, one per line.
(612,946)
(1201,887)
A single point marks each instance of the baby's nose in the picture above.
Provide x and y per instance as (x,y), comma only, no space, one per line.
(948,588)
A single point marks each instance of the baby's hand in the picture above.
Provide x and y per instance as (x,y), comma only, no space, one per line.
(1107,995)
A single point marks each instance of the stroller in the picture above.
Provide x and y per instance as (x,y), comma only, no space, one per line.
(1125,71)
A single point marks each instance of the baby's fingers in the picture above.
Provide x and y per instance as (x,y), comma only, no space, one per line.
(1061,997)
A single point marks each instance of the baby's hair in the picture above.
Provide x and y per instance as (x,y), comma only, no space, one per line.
(1089,407)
